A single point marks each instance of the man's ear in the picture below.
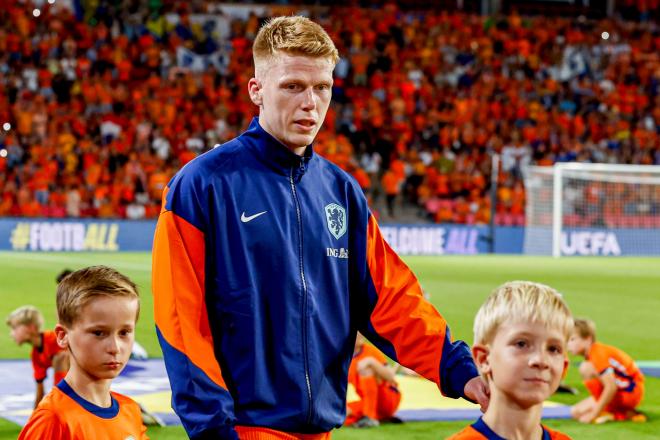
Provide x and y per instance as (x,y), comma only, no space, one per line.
(62,335)
(481,354)
(254,89)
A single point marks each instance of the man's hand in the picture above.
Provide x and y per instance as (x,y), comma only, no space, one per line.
(477,390)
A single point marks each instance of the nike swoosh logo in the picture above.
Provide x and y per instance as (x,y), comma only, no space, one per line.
(246,219)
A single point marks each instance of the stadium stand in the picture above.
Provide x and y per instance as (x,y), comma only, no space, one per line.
(101,103)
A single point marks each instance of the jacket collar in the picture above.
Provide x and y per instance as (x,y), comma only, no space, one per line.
(273,153)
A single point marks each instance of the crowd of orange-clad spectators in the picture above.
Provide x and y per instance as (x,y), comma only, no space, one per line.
(102,112)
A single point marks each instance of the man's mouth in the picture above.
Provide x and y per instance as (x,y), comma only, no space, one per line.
(306,124)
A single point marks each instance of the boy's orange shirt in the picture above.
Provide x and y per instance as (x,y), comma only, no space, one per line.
(64,415)
(606,357)
(479,430)
(42,358)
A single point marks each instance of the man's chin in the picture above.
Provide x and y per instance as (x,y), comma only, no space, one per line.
(301,141)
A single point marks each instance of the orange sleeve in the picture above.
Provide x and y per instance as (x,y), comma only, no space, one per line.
(199,393)
(404,322)
(178,285)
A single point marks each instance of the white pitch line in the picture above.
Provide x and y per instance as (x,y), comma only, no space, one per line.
(69,260)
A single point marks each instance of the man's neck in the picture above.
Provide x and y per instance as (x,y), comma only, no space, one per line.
(299,151)
(511,421)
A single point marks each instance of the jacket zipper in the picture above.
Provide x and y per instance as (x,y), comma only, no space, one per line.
(304,286)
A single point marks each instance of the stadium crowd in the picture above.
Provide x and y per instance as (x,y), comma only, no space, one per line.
(100,105)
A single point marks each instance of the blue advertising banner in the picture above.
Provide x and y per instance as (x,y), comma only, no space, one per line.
(611,242)
(451,239)
(73,235)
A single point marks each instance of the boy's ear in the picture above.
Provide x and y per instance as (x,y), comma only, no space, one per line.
(62,335)
(480,353)
(565,372)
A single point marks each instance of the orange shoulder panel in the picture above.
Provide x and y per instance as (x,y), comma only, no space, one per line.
(402,315)
(178,286)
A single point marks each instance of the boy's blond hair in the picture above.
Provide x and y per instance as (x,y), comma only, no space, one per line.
(26,315)
(82,286)
(521,301)
(294,35)
(585,328)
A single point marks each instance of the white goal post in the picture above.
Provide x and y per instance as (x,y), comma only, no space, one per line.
(592,209)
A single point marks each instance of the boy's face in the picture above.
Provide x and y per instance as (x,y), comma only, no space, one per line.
(22,333)
(101,339)
(524,363)
(293,96)
(578,345)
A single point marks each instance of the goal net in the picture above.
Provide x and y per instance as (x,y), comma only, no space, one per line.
(592,209)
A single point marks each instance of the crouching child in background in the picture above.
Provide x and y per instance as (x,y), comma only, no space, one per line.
(610,375)
(374,384)
(25,325)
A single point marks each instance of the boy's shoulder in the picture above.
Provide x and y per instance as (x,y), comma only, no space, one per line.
(479,430)
(126,402)
(368,350)
(45,421)
(551,434)
(468,433)
(600,354)
(63,412)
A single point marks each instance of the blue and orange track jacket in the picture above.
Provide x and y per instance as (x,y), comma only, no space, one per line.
(265,264)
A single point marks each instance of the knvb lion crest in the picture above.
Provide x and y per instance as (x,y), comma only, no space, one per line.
(335,216)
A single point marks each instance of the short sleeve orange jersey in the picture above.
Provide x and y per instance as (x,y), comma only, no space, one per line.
(42,358)
(64,415)
(365,351)
(606,358)
(479,430)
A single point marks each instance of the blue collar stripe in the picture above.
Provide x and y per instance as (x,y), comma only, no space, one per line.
(104,413)
(481,427)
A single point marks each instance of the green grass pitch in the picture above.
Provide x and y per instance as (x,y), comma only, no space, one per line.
(621,294)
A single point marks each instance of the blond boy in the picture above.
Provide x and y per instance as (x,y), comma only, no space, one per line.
(611,376)
(520,336)
(26,323)
(97,308)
